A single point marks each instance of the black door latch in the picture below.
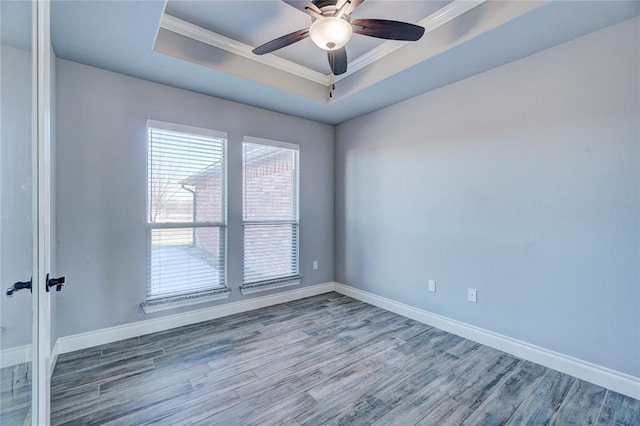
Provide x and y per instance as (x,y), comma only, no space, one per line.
(54,282)
(20,285)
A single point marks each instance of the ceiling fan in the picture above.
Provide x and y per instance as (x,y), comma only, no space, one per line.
(332,27)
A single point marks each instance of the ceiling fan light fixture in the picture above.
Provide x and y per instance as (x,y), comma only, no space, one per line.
(330,33)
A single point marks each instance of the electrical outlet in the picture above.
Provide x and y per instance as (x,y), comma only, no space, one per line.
(432,286)
(472,296)
(315,264)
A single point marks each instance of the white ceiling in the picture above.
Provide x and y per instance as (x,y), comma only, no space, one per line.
(125,36)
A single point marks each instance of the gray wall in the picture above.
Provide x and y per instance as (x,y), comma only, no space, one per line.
(101,189)
(522,182)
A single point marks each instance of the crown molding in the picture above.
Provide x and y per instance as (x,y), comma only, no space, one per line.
(430,23)
(187,29)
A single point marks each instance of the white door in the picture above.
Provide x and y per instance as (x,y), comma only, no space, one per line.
(25,179)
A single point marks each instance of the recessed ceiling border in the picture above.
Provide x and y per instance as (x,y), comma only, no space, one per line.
(430,23)
(195,32)
(214,39)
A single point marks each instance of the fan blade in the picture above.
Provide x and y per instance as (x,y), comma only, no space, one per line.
(281,42)
(338,60)
(390,30)
(302,5)
(353,5)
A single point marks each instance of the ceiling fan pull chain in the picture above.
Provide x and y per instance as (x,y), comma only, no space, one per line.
(332,87)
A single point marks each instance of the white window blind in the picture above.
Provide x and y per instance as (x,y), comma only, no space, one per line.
(186,211)
(270,211)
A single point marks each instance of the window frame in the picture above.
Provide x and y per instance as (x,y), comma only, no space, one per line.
(248,287)
(158,302)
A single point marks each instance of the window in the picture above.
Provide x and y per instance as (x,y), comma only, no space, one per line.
(270,214)
(186,213)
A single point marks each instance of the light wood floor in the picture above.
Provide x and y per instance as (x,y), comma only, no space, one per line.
(328,359)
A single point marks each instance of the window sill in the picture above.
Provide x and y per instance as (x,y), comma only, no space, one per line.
(259,286)
(174,302)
